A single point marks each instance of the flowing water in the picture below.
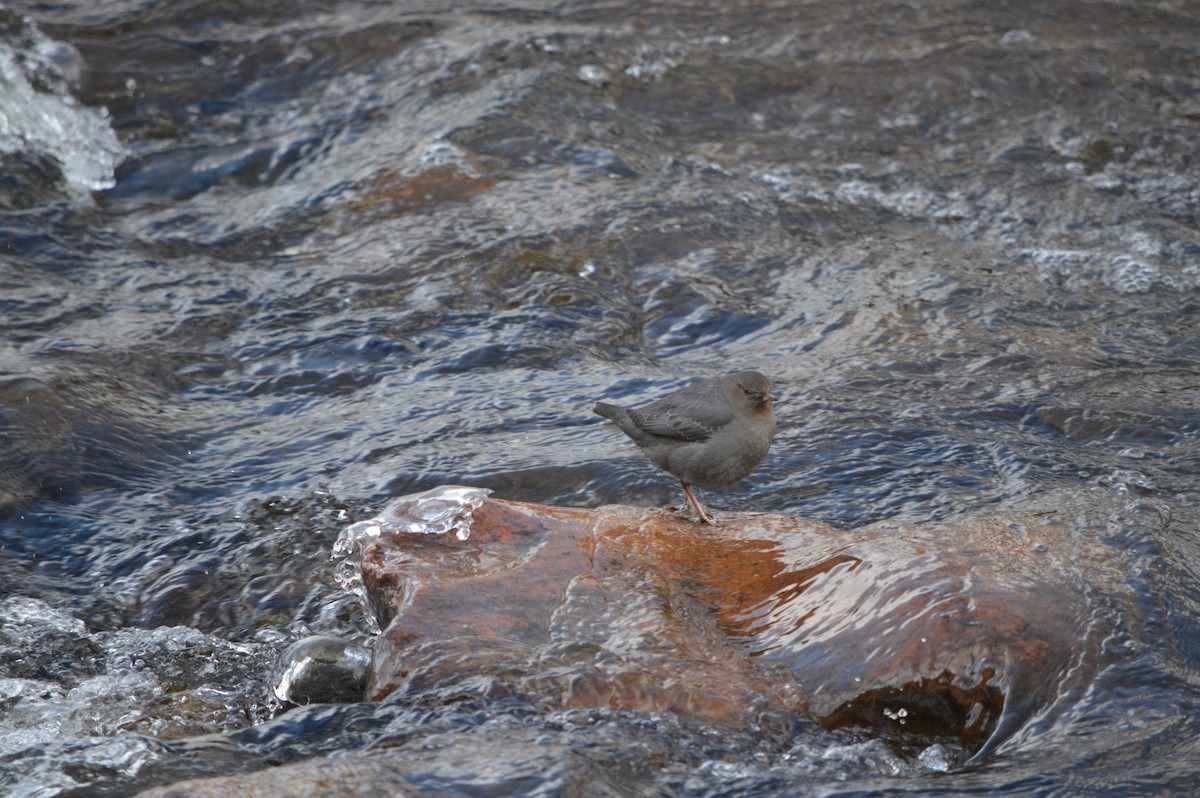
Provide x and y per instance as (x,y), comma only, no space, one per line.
(266,265)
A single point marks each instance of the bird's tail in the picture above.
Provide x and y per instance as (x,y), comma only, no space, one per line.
(611,412)
(620,416)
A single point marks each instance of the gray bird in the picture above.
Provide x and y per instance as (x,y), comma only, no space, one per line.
(710,434)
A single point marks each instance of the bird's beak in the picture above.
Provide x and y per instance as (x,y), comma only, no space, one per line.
(766,397)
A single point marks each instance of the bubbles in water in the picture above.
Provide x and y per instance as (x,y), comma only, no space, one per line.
(31,612)
(650,65)
(595,75)
(935,757)
(166,681)
(839,761)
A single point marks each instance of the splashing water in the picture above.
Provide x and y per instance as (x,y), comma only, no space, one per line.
(39,114)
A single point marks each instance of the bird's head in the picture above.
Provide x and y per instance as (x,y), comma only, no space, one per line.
(751,389)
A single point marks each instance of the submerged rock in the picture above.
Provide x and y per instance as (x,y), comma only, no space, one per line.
(949,639)
(963,631)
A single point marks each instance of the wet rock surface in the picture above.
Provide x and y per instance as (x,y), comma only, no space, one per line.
(948,639)
(963,631)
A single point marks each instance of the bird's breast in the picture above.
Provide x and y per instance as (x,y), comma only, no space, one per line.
(727,457)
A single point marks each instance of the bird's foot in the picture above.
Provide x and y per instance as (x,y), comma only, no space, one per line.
(689,512)
(704,515)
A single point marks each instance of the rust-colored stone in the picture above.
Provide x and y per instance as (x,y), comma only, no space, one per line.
(954,630)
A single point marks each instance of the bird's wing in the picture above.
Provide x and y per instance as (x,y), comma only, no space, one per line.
(684,421)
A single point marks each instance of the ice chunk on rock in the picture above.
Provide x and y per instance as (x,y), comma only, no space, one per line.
(443,510)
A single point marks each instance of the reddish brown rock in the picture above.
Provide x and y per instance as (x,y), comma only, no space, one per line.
(963,631)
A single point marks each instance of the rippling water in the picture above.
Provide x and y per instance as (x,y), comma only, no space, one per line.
(264,266)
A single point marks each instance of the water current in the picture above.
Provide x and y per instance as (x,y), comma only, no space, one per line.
(265,266)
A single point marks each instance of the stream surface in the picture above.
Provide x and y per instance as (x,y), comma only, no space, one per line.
(265,266)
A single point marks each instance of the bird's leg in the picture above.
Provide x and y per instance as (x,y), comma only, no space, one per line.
(705,516)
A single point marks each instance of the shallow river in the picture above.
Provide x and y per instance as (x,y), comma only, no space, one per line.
(266,265)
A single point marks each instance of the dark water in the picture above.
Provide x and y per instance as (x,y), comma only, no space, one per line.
(265,265)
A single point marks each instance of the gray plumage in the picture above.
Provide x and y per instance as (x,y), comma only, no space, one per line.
(709,434)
